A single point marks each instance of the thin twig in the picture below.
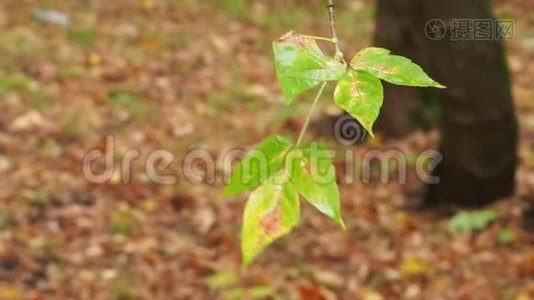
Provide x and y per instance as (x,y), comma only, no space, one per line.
(308,118)
(339,54)
(332,18)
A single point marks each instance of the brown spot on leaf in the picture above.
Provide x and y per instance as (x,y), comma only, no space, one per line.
(271,224)
(306,167)
(296,39)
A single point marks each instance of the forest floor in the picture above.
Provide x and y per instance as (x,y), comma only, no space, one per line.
(197,78)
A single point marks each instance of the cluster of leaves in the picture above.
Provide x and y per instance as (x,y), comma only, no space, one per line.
(301,65)
(279,171)
(469,221)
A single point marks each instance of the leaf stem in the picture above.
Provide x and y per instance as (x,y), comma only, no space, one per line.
(308,118)
(321,38)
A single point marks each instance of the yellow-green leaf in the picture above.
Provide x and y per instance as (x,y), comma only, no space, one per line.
(314,177)
(272,210)
(360,94)
(392,68)
(411,267)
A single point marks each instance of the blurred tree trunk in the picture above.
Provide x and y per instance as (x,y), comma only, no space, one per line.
(479,128)
(397,30)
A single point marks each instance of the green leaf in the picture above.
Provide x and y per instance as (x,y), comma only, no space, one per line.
(466,222)
(392,68)
(271,212)
(361,94)
(314,176)
(506,236)
(482,219)
(261,292)
(258,165)
(222,280)
(301,65)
